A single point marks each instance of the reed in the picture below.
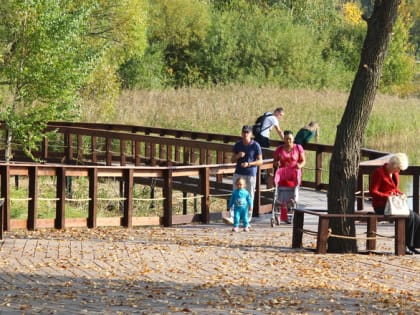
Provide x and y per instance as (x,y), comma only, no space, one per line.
(393,125)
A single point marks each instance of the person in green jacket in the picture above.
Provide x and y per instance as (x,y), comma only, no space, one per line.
(307,133)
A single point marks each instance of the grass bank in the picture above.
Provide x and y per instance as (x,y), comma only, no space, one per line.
(393,125)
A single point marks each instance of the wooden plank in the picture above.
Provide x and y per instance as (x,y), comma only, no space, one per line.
(186,218)
(76,222)
(20,224)
(18,170)
(44,223)
(145,221)
(108,221)
(77,172)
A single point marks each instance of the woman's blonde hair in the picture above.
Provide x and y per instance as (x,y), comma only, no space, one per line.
(399,160)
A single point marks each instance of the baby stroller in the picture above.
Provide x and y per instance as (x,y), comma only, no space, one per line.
(284,201)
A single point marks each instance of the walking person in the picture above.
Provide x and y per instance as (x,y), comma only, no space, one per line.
(384,182)
(241,203)
(247,155)
(288,161)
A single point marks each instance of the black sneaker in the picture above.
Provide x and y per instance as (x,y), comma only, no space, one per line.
(414,251)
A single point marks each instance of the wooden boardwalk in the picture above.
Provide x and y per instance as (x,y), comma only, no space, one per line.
(199,269)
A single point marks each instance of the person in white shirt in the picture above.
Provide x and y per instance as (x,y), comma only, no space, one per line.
(271,120)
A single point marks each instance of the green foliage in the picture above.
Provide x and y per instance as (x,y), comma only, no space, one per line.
(399,67)
(290,43)
(118,29)
(44,63)
(148,71)
(52,49)
(180,27)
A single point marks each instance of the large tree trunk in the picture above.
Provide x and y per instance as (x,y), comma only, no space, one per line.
(348,142)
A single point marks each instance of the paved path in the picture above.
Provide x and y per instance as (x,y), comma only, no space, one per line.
(199,269)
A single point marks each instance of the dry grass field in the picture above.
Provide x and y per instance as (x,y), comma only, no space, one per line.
(393,125)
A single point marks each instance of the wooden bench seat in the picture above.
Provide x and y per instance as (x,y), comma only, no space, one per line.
(323,226)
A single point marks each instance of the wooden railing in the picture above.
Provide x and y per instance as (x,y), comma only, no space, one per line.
(179,160)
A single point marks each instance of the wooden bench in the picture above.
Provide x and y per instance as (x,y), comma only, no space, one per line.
(323,226)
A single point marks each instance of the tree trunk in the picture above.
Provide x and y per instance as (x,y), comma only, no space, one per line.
(348,142)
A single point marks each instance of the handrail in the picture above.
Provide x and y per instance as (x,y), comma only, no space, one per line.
(135,152)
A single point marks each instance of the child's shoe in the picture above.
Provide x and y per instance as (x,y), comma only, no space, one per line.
(246,229)
(235,229)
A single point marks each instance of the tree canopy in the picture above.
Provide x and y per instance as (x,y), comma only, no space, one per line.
(49,50)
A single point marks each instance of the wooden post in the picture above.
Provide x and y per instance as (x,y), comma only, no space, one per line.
(371,232)
(205,192)
(137,153)
(68,144)
(94,148)
(123,158)
(108,151)
(79,148)
(33,197)
(1,218)
(93,196)
(416,206)
(184,203)
(61,198)
(44,152)
(318,168)
(128,179)
(5,193)
(400,236)
(322,238)
(298,219)
(167,195)
(257,194)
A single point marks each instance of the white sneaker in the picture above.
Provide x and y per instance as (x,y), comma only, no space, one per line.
(235,229)
(227,220)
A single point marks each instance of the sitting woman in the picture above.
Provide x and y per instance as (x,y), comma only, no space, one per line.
(384,182)
(288,161)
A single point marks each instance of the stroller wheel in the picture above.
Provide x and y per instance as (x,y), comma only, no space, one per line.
(278,220)
(272,222)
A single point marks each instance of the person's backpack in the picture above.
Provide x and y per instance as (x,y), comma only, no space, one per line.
(257,127)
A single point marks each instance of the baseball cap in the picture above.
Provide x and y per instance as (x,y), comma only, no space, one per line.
(246,128)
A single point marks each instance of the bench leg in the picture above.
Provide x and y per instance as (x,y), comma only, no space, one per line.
(400,236)
(371,232)
(322,238)
(297,229)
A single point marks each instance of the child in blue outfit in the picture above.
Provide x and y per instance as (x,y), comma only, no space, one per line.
(241,202)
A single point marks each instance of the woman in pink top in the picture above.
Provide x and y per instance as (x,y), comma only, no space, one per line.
(288,161)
